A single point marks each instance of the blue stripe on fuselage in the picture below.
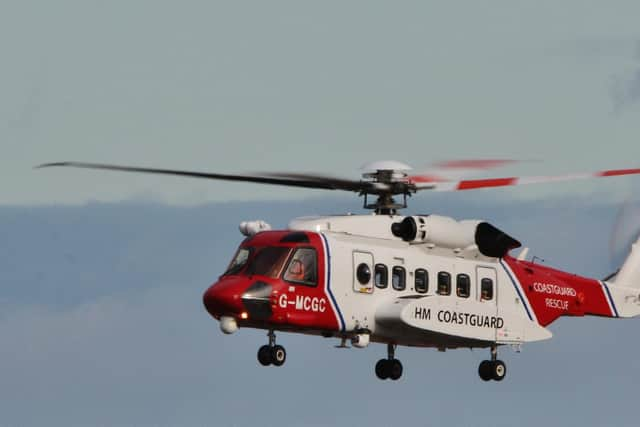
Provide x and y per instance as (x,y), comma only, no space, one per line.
(333,299)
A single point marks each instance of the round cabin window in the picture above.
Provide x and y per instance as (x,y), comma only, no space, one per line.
(363,273)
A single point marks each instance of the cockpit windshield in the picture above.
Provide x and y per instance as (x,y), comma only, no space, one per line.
(268,261)
(238,262)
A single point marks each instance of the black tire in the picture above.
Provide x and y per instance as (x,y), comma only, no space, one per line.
(485,370)
(498,370)
(395,369)
(382,371)
(264,355)
(278,355)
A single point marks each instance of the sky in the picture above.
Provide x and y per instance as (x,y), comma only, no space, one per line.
(308,86)
(102,275)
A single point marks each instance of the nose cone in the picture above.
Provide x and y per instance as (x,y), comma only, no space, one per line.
(223,298)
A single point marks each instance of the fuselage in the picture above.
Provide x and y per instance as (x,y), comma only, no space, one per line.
(349,276)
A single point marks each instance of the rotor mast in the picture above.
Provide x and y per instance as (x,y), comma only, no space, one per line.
(385,179)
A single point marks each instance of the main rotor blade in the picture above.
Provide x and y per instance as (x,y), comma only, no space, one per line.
(475,184)
(457,170)
(341,183)
(298,180)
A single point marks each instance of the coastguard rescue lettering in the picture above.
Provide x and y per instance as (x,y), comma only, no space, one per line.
(456,318)
(551,289)
(304,303)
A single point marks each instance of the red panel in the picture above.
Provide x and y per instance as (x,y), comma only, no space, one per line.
(311,307)
(293,306)
(554,293)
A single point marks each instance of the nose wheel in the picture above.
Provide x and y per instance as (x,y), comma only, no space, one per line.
(389,368)
(272,354)
(493,369)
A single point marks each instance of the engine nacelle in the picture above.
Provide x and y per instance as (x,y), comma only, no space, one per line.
(446,232)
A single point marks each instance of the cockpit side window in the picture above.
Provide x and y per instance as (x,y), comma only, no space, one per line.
(238,262)
(303,267)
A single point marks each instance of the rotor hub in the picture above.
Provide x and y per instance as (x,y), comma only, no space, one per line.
(386,179)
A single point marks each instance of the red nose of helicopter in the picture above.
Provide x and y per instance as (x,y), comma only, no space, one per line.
(223,298)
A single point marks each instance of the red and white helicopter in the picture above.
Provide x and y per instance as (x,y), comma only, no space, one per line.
(423,280)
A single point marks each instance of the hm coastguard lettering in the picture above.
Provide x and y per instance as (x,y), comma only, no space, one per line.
(470,319)
(422,313)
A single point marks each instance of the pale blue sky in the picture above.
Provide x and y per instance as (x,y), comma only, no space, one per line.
(101,320)
(299,85)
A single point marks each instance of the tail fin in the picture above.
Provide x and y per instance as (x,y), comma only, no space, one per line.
(624,287)
(629,274)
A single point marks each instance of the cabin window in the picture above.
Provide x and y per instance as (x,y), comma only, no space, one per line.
(463,285)
(486,289)
(381,276)
(363,273)
(444,283)
(421,281)
(399,278)
(302,268)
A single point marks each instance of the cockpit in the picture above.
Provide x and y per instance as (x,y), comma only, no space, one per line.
(298,265)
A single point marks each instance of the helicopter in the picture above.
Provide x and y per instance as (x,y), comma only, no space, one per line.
(425,281)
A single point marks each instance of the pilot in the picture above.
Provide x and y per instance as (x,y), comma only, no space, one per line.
(296,270)
(303,267)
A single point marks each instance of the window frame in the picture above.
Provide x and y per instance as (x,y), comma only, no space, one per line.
(403,277)
(442,274)
(460,276)
(426,280)
(384,285)
(290,260)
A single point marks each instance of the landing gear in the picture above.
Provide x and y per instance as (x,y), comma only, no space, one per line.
(264,355)
(493,369)
(389,368)
(272,354)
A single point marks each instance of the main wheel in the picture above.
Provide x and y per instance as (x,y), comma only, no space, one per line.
(382,370)
(395,369)
(278,355)
(264,355)
(485,370)
(499,370)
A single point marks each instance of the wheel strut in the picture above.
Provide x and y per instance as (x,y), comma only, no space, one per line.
(391,351)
